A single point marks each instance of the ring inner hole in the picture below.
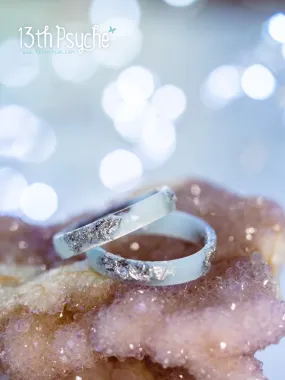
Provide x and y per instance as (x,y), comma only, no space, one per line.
(152,247)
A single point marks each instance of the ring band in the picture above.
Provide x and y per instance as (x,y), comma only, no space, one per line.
(134,215)
(178,224)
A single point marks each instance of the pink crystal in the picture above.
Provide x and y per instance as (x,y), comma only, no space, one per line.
(69,322)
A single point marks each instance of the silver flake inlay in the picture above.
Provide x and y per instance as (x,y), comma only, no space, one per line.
(101,231)
(210,249)
(124,269)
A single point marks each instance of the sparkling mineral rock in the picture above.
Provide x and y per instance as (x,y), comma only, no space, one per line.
(61,320)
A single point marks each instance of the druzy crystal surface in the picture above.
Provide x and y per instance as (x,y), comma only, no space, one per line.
(61,320)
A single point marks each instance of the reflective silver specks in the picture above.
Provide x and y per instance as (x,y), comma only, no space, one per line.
(95,233)
(123,269)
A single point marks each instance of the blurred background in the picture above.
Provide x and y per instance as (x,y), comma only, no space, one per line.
(186,88)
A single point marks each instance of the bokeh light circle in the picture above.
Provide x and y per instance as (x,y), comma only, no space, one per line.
(258,82)
(39,202)
(74,66)
(103,10)
(19,66)
(110,100)
(13,183)
(180,3)
(122,50)
(24,136)
(276,27)
(39,147)
(131,119)
(127,118)
(158,139)
(120,170)
(135,84)
(224,82)
(127,112)
(169,101)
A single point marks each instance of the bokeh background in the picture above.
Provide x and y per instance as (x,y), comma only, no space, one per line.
(186,88)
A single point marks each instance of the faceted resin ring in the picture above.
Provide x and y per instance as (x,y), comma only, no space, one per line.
(162,273)
(133,215)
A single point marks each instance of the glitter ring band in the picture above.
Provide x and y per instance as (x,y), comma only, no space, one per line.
(135,214)
(179,225)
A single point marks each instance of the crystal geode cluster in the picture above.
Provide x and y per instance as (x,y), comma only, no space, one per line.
(63,321)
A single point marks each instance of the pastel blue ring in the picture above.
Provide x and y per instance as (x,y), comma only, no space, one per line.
(178,225)
(129,217)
